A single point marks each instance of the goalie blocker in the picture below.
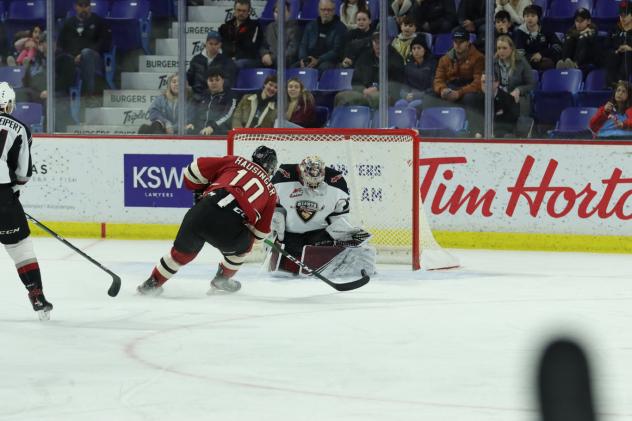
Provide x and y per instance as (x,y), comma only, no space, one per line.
(310,222)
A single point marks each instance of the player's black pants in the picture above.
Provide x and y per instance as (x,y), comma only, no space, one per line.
(13,225)
(221,227)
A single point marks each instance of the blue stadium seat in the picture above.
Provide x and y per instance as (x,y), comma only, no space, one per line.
(308,76)
(606,14)
(595,93)
(374,9)
(558,89)
(441,44)
(443,121)
(333,80)
(351,117)
(130,21)
(98,7)
(12,75)
(596,80)
(309,10)
(63,8)
(30,113)
(559,16)
(163,9)
(398,118)
(251,80)
(322,116)
(544,4)
(574,123)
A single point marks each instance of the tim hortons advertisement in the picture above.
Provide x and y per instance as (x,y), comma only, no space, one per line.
(564,188)
(117,180)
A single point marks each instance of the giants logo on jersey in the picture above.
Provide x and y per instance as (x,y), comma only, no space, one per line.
(306,209)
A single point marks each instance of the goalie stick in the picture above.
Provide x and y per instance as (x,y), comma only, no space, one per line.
(348,286)
(116,280)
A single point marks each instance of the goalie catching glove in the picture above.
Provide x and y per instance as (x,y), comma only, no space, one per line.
(343,233)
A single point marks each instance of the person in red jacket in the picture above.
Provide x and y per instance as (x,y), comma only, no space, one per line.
(235,201)
(614,118)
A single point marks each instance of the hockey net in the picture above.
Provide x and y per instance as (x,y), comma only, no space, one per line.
(383,178)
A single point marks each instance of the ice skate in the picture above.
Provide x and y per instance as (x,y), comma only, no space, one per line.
(221,284)
(41,306)
(149,287)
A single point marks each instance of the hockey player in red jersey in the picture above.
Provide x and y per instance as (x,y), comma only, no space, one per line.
(15,171)
(235,203)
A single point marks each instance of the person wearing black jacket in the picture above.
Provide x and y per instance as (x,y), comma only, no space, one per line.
(435,16)
(218,106)
(618,55)
(242,36)
(580,48)
(359,39)
(210,58)
(85,37)
(366,76)
(541,49)
(506,110)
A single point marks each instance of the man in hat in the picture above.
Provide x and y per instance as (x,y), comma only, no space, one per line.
(85,37)
(202,63)
(458,79)
(619,55)
(580,49)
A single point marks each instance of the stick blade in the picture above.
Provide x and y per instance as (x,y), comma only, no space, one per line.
(354,284)
(115,287)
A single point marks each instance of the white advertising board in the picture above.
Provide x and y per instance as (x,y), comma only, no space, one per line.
(115,180)
(557,188)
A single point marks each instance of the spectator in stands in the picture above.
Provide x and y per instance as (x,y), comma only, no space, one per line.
(580,48)
(163,111)
(242,36)
(542,50)
(403,8)
(458,79)
(268,51)
(27,43)
(85,37)
(218,106)
(471,16)
(619,52)
(435,16)
(419,73)
(515,8)
(366,76)
(513,73)
(322,45)
(502,26)
(348,11)
(5,55)
(208,59)
(358,39)
(258,109)
(614,118)
(403,40)
(301,106)
(506,109)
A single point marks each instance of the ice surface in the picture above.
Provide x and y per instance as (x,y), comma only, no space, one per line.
(458,345)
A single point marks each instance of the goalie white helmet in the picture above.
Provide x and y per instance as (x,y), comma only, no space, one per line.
(312,171)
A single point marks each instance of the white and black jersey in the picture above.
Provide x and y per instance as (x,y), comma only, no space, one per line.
(15,151)
(310,209)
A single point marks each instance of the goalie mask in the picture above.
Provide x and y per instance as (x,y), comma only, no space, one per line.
(266,158)
(312,171)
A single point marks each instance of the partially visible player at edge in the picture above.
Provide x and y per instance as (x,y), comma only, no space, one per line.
(15,171)
(235,200)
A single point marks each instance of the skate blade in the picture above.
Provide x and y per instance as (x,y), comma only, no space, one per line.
(43,315)
(217,291)
(153,293)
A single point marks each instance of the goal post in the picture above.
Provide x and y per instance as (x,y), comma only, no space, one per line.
(382,172)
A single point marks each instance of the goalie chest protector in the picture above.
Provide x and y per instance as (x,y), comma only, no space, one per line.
(309,209)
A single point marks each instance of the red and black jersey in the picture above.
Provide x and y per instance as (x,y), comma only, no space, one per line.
(248,183)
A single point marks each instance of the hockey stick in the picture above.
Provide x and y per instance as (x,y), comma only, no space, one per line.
(339,287)
(116,280)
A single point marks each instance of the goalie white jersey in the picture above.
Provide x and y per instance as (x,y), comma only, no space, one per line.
(310,209)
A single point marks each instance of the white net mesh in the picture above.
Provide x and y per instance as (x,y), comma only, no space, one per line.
(383,182)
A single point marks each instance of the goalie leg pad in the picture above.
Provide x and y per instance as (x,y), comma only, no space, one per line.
(350,262)
(316,257)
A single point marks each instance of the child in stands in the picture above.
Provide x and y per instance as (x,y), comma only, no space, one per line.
(614,118)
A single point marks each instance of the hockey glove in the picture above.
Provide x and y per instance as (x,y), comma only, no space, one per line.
(360,236)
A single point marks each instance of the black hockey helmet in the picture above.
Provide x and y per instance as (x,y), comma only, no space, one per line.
(266,158)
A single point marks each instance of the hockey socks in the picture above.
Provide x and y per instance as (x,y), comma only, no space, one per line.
(26,264)
(170,264)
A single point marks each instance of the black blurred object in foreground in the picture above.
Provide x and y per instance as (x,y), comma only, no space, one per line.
(564,385)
